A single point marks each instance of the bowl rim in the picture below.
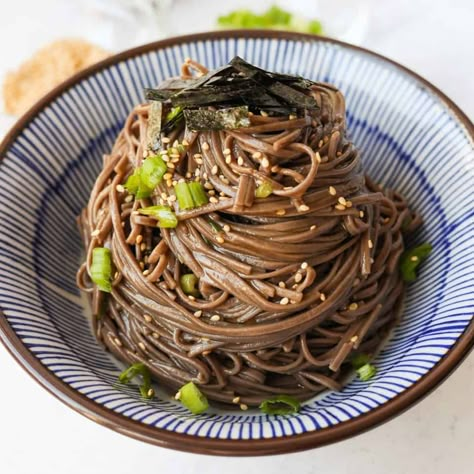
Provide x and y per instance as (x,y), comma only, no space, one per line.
(183,442)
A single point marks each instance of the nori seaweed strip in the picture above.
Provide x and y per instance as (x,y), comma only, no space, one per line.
(288,94)
(158,94)
(221,119)
(154,126)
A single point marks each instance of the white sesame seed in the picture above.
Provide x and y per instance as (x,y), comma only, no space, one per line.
(332,190)
(353,306)
(191,297)
(291,117)
(280,212)
(236,400)
(215,317)
(211,192)
(304,265)
(119,188)
(118,342)
(165,140)
(318,157)
(284,300)
(95,233)
(370,244)
(116,275)
(188,175)
(185,143)
(265,163)
(348,203)
(139,239)
(226,151)
(342,201)
(240,161)
(129,198)
(275,169)
(198,314)
(205,146)
(205,175)
(303,208)
(150,393)
(208,185)
(298,277)
(243,406)
(146,272)
(414,258)
(214,170)
(197,172)
(220,240)
(312,227)
(177,395)
(322,297)
(148,318)
(142,346)
(171,165)
(167,176)
(213,199)
(175,182)
(282,284)
(226,228)
(228,160)
(361,214)
(155,335)
(340,207)
(257,155)
(263,113)
(354,338)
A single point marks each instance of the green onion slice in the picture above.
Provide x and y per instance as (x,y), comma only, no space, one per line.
(101,269)
(359,360)
(411,259)
(136,370)
(189,283)
(198,193)
(280,405)
(264,190)
(184,196)
(366,372)
(192,398)
(152,171)
(173,113)
(166,217)
(133,182)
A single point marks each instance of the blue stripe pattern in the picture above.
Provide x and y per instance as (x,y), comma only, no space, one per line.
(409,139)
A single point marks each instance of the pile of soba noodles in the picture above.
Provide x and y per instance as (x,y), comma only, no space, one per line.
(293,254)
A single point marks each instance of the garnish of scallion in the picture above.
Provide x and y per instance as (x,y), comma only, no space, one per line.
(189,283)
(359,360)
(192,398)
(146,177)
(411,259)
(166,217)
(138,370)
(184,196)
(101,269)
(264,190)
(198,194)
(366,372)
(280,405)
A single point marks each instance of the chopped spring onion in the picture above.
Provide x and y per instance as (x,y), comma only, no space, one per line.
(411,259)
(133,182)
(166,217)
(198,193)
(192,398)
(101,269)
(280,405)
(359,360)
(366,372)
(264,190)
(147,177)
(173,113)
(189,283)
(153,169)
(184,196)
(136,370)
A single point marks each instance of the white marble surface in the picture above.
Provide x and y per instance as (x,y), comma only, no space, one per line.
(40,435)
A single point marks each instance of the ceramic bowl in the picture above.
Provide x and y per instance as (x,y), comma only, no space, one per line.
(412,138)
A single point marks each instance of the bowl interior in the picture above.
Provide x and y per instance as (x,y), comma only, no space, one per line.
(410,140)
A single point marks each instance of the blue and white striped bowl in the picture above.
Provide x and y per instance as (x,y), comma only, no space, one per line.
(412,138)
